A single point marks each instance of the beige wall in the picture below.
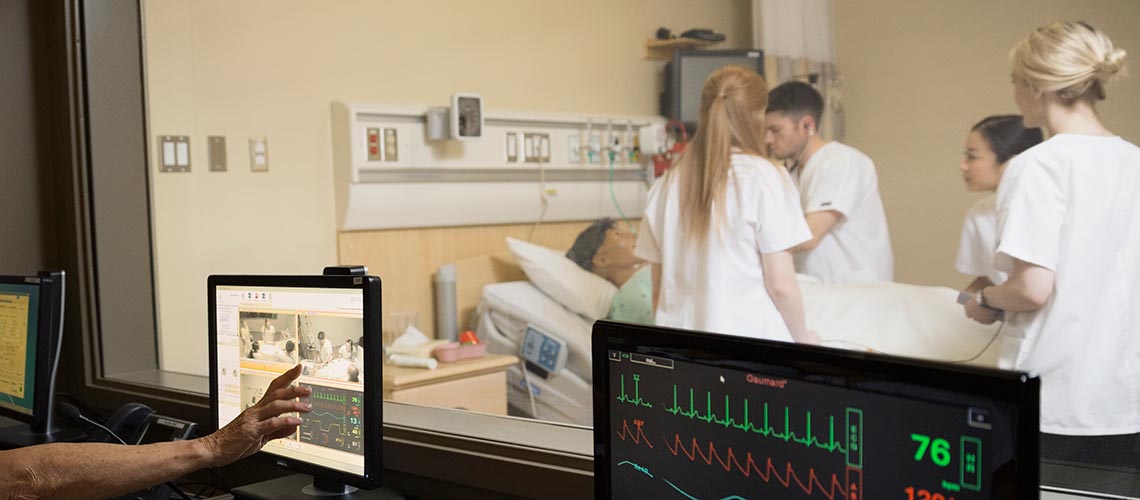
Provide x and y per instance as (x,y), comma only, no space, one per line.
(918,74)
(272,68)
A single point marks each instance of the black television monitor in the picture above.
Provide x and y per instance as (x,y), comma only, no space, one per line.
(31,326)
(686,75)
(683,415)
(261,326)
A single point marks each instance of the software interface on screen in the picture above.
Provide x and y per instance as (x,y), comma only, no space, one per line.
(684,430)
(19,331)
(265,331)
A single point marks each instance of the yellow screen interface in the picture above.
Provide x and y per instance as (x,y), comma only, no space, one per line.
(17,343)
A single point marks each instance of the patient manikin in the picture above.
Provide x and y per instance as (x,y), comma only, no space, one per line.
(606,249)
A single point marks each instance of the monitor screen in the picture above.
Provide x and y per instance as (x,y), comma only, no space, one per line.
(19,339)
(263,326)
(690,415)
(692,68)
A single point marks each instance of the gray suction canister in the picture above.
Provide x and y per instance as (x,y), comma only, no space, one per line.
(446,320)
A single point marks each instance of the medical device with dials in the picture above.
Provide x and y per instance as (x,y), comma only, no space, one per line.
(545,355)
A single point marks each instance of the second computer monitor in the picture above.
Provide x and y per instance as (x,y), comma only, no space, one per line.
(261,326)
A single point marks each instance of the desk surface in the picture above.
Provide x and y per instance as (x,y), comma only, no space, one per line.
(405,377)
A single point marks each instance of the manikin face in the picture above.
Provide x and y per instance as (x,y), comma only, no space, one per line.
(979,167)
(1029,103)
(616,251)
(786,136)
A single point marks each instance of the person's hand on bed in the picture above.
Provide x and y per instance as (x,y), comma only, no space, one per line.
(810,338)
(977,312)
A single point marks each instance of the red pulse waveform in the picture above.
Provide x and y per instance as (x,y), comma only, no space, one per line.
(639,437)
(730,462)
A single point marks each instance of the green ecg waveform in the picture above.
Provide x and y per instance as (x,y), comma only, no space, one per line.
(766,430)
(636,399)
(339,398)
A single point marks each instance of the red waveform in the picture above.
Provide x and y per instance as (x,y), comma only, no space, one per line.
(626,433)
(731,462)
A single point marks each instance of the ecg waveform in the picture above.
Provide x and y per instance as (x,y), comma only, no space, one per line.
(788,478)
(766,430)
(336,420)
(636,399)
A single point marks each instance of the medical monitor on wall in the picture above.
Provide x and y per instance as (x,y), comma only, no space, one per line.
(681,415)
(686,76)
(31,325)
(261,326)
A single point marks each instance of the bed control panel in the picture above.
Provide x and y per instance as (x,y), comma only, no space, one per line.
(544,354)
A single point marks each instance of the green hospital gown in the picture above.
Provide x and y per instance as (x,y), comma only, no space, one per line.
(634,300)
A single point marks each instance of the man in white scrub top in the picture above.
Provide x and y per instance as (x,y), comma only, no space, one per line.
(839,192)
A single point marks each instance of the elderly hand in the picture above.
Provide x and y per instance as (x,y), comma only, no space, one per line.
(977,312)
(260,423)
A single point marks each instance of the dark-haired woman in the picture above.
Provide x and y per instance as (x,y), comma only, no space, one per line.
(990,145)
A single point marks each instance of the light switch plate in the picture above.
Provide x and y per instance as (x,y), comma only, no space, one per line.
(217,146)
(173,153)
(258,154)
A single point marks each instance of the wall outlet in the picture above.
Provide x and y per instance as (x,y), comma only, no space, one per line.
(258,154)
(574,145)
(391,145)
(372,145)
(512,147)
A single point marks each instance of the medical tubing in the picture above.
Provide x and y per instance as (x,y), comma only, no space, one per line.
(541,196)
(967,360)
(526,381)
(614,198)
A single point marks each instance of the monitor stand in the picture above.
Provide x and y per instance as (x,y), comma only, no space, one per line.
(19,435)
(301,486)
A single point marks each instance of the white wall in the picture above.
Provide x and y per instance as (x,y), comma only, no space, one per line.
(273,68)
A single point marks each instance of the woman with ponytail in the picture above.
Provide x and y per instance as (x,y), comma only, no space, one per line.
(1069,236)
(719,225)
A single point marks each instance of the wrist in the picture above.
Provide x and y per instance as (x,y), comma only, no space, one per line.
(204,451)
(981,299)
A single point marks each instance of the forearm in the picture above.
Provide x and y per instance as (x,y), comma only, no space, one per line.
(97,470)
(789,301)
(656,270)
(979,283)
(819,223)
(1028,289)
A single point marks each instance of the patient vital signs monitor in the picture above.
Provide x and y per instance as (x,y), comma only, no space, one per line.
(689,415)
(261,326)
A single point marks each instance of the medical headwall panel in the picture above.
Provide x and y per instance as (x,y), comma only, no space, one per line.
(389,173)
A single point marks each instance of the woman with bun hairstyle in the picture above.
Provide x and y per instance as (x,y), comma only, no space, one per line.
(990,145)
(719,226)
(1069,237)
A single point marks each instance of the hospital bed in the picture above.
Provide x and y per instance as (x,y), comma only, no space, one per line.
(892,318)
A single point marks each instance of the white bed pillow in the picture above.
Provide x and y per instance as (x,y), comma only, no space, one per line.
(578,289)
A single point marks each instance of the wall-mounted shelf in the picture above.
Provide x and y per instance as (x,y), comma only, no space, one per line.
(662,50)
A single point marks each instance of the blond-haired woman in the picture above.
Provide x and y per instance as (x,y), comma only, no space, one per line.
(719,225)
(1069,235)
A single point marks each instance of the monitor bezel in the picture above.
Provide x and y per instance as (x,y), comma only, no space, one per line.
(47,345)
(371,287)
(1019,388)
(678,74)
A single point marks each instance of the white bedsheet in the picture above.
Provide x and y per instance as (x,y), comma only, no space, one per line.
(891,318)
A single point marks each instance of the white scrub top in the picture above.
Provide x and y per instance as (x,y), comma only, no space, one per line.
(720,287)
(979,242)
(1072,205)
(858,249)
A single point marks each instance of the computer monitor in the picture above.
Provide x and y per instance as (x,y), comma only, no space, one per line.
(686,75)
(31,326)
(684,415)
(261,326)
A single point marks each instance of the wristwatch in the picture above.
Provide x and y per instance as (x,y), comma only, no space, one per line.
(981,299)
